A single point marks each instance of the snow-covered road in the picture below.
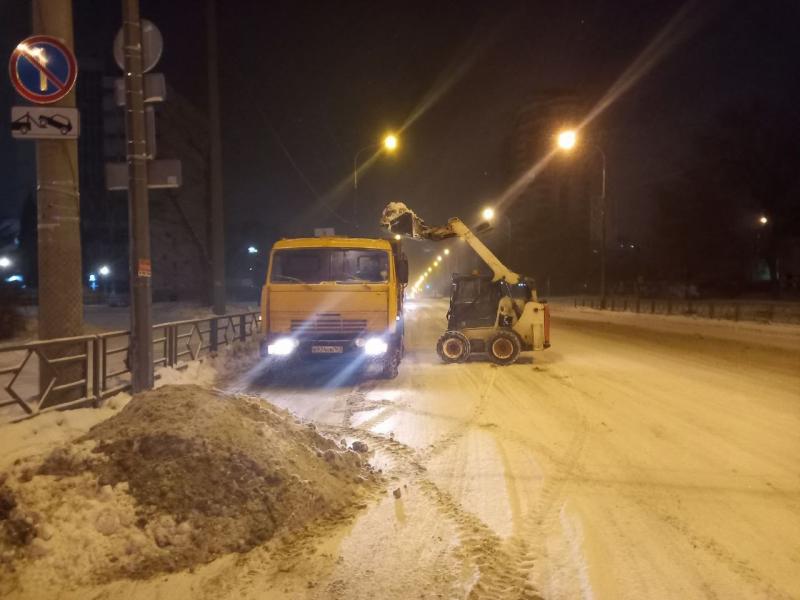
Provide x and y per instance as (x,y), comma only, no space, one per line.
(624,462)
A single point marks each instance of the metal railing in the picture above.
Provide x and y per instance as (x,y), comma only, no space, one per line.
(87,369)
(733,310)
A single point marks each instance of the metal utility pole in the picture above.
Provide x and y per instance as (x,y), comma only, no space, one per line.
(216,213)
(141,346)
(58,206)
(603,231)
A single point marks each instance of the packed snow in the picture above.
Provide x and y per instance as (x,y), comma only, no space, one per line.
(639,457)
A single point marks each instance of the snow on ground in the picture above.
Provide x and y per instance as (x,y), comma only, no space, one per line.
(637,458)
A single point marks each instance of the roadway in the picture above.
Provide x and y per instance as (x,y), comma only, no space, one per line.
(623,462)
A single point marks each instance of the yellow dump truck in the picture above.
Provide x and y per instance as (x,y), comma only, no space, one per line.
(335,296)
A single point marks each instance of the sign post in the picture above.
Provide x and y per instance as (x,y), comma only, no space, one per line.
(43,70)
(141,346)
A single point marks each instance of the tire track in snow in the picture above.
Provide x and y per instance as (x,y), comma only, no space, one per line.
(446,441)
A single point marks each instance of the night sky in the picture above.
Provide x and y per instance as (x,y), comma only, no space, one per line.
(305,85)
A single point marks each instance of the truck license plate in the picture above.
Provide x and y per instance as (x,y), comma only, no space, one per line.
(326,349)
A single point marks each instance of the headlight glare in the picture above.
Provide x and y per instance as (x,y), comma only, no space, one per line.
(282,346)
(375,347)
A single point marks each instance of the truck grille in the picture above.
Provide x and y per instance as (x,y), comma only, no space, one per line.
(328,323)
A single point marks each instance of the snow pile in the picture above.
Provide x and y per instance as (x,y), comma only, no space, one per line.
(179,477)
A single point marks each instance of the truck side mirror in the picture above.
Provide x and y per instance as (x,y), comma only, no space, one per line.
(402,270)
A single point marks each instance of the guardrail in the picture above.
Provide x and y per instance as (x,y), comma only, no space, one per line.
(85,370)
(732,310)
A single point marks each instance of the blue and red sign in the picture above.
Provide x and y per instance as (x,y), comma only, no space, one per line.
(42,69)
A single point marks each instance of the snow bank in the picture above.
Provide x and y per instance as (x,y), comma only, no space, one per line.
(180,476)
(768,334)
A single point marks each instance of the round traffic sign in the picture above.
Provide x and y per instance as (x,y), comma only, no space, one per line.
(152,46)
(42,69)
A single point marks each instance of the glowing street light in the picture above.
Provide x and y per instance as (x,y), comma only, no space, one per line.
(567,139)
(439,257)
(104,270)
(398,237)
(390,142)
(252,250)
(489,214)
(5,262)
(763,220)
(446,251)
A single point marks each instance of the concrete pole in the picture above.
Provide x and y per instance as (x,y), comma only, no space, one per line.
(603,231)
(58,206)
(216,214)
(141,345)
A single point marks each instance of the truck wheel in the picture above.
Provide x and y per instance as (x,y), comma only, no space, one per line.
(453,347)
(391,365)
(504,347)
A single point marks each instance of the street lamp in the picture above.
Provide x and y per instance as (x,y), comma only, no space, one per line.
(252,250)
(388,144)
(567,140)
(105,271)
(489,214)
(446,251)
(763,220)
(5,262)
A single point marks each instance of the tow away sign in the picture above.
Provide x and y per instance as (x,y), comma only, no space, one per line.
(40,122)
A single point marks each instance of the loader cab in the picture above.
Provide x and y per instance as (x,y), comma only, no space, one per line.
(473,301)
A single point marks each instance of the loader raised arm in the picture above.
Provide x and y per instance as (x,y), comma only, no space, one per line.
(398,218)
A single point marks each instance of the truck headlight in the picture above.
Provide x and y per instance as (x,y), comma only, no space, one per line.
(282,346)
(375,347)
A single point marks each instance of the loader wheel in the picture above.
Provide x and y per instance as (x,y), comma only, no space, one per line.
(504,347)
(453,347)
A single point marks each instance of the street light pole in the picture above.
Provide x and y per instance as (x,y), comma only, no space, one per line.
(567,140)
(602,229)
(216,212)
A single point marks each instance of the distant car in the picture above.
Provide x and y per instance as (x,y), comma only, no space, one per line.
(24,124)
(62,123)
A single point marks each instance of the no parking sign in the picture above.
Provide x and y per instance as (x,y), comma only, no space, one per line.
(42,69)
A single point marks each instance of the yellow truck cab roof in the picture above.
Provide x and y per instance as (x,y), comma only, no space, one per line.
(333,242)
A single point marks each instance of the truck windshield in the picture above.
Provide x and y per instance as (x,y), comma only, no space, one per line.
(342,265)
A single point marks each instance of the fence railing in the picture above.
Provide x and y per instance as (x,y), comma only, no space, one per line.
(85,370)
(733,310)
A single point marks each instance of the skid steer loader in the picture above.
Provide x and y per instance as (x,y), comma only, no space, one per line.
(496,314)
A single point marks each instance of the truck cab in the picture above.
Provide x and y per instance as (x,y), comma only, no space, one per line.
(335,296)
